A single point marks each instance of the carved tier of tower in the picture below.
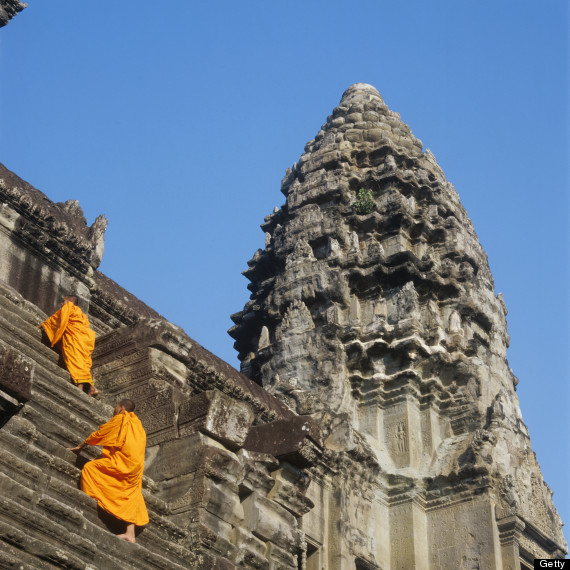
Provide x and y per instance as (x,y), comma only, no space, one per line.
(373,309)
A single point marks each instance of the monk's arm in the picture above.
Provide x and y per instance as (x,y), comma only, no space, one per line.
(108,434)
(77,448)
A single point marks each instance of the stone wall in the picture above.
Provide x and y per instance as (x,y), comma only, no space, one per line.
(373,309)
(8,9)
(226,467)
(374,423)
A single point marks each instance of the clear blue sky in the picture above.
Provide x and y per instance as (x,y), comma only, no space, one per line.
(177,120)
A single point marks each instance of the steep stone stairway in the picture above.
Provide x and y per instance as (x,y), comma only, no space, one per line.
(43,514)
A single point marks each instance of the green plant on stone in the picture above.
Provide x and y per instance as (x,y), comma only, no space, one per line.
(364,202)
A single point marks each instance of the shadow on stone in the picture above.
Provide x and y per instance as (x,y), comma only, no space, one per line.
(113,524)
(81,461)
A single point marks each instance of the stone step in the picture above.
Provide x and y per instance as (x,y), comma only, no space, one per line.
(63,421)
(46,435)
(38,470)
(36,532)
(53,513)
(22,332)
(35,460)
(54,394)
(19,330)
(30,530)
(13,555)
(11,300)
(21,437)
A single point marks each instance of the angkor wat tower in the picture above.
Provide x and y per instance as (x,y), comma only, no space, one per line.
(373,309)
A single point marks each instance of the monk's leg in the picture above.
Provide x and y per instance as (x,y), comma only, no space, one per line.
(129,534)
(88,388)
(78,363)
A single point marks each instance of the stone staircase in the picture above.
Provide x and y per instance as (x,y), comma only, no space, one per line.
(46,521)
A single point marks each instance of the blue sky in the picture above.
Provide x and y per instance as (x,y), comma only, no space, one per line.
(177,121)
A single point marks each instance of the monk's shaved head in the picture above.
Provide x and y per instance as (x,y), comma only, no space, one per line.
(72,298)
(129,405)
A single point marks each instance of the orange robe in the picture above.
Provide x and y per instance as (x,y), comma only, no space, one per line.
(71,326)
(115,479)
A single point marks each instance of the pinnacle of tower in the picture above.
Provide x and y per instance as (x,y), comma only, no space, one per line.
(373,308)
(360,90)
(331,262)
(362,108)
(361,95)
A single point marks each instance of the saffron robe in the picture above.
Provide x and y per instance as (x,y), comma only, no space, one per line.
(115,479)
(70,326)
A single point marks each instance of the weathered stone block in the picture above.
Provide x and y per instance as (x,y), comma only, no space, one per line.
(353,135)
(296,440)
(196,452)
(280,559)
(251,550)
(207,534)
(209,561)
(289,491)
(257,471)
(271,522)
(16,373)
(222,500)
(216,414)
(373,135)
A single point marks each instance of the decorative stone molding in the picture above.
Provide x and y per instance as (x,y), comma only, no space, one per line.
(389,333)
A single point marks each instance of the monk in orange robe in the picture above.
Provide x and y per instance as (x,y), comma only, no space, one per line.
(70,328)
(115,479)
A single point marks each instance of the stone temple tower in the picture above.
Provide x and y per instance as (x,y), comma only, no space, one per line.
(373,309)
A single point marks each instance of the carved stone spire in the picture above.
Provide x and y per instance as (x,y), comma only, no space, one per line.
(8,9)
(375,302)
(411,268)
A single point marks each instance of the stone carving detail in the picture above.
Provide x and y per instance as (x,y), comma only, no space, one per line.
(455,323)
(302,253)
(297,318)
(405,340)
(401,438)
(263,338)
(16,374)
(509,497)
(334,248)
(354,243)
(385,329)
(374,249)
(96,237)
(8,9)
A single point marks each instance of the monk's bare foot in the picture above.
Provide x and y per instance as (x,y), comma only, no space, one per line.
(129,534)
(92,391)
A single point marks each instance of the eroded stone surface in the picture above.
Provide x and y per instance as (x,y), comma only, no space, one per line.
(197,411)
(381,329)
(386,328)
(8,9)
(16,374)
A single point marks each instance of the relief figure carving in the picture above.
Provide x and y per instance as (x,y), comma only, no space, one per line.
(401,438)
